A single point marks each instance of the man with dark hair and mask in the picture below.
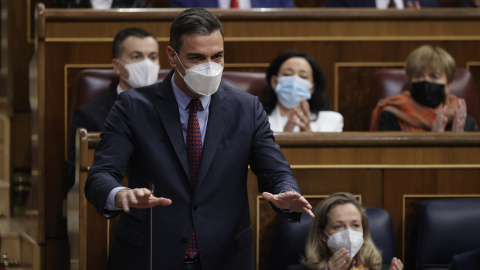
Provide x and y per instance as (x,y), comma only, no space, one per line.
(428,105)
(193,138)
(136,62)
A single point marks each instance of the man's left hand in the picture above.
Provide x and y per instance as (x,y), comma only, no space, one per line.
(289,200)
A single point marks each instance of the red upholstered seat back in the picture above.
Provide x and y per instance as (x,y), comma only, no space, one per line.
(92,83)
(390,82)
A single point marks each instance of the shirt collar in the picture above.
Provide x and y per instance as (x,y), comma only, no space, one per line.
(183,99)
(119,89)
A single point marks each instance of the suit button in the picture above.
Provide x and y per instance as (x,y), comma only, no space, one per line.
(195,207)
(184,240)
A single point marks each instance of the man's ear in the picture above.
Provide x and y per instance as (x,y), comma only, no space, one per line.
(116,66)
(171,56)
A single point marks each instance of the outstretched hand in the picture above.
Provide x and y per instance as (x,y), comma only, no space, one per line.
(396,264)
(289,200)
(138,198)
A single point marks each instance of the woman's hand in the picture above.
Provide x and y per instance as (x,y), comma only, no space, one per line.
(396,264)
(339,260)
(460,116)
(299,117)
(441,121)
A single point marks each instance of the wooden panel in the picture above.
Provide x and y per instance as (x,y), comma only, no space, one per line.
(336,37)
(405,188)
(474,68)
(32,254)
(352,91)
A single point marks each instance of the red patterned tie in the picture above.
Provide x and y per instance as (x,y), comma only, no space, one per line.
(234,4)
(194,152)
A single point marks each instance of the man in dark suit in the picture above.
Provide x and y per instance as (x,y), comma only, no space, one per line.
(193,137)
(88,3)
(466,261)
(135,51)
(375,3)
(226,3)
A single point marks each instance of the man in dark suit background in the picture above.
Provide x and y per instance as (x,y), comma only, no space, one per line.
(89,4)
(236,3)
(466,261)
(202,220)
(134,50)
(382,3)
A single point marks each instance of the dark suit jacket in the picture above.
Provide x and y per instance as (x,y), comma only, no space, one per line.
(214,3)
(466,261)
(92,117)
(371,3)
(143,139)
(87,4)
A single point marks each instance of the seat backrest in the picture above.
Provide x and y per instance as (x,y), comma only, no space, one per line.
(445,228)
(290,238)
(448,3)
(390,82)
(92,83)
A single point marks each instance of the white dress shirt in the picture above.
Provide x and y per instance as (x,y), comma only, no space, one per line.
(327,121)
(383,4)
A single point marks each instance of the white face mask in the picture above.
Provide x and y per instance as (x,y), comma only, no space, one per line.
(348,239)
(141,73)
(202,79)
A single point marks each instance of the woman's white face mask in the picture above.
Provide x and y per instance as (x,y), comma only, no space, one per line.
(203,79)
(348,239)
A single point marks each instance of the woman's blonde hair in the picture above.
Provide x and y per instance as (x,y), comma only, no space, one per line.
(317,252)
(434,58)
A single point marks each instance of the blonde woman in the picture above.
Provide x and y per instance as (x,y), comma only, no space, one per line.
(339,238)
(428,105)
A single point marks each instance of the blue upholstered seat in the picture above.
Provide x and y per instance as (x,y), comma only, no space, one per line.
(445,228)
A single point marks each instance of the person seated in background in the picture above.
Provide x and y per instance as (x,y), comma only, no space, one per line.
(428,105)
(470,3)
(243,4)
(339,238)
(466,261)
(296,101)
(136,62)
(100,4)
(383,4)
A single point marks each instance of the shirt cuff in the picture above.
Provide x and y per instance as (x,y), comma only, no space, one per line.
(110,203)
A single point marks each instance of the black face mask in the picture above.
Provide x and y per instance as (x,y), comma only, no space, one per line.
(428,94)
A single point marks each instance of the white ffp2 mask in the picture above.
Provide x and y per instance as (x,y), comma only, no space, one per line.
(348,239)
(141,73)
(202,79)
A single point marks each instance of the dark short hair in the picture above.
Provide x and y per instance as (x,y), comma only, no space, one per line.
(124,34)
(318,101)
(193,21)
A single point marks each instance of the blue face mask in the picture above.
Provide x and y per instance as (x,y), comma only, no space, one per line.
(291,89)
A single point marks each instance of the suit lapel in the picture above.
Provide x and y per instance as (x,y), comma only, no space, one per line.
(219,112)
(112,96)
(167,109)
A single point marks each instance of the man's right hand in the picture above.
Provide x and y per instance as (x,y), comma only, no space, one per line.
(138,198)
